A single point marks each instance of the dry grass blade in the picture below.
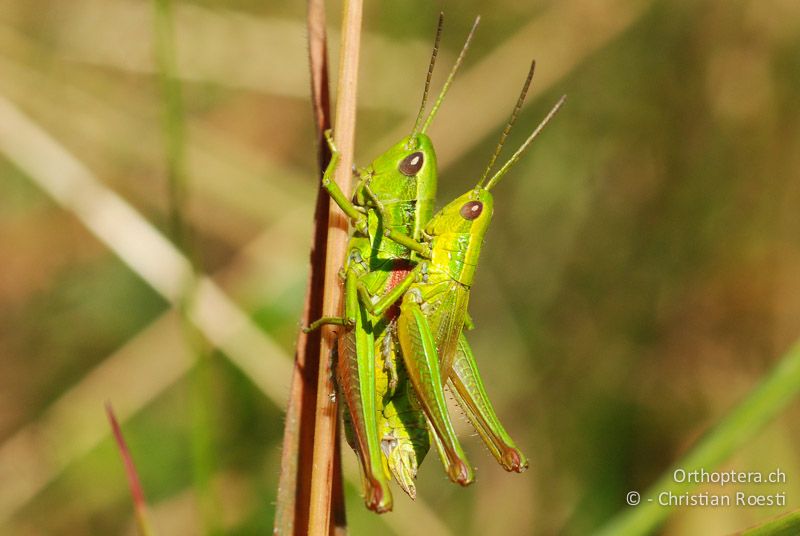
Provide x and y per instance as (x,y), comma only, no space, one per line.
(118,113)
(325,429)
(294,486)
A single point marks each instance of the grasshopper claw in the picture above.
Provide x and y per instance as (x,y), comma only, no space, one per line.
(461,473)
(330,142)
(513,461)
(377,499)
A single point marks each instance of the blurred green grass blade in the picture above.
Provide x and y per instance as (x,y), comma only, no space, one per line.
(173,120)
(764,402)
(787,525)
(173,124)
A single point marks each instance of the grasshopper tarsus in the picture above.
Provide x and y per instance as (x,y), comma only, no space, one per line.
(377,499)
(461,473)
(328,321)
(514,461)
(329,140)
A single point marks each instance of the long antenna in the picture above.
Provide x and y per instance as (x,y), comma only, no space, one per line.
(430,73)
(450,77)
(510,123)
(513,160)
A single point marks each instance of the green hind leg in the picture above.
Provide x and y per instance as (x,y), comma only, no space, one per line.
(355,375)
(422,363)
(471,396)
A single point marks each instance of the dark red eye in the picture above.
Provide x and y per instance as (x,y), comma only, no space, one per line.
(411,164)
(471,210)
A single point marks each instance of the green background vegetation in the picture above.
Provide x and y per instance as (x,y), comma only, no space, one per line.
(640,277)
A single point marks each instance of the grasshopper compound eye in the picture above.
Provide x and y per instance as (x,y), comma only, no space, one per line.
(411,164)
(471,210)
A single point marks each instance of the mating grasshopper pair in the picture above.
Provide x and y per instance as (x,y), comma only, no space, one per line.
(399,252)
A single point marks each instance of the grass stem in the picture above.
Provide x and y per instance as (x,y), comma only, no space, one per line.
(294,487)
(175,140)
(325,429)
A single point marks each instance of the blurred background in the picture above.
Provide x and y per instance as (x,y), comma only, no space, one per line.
(640,277)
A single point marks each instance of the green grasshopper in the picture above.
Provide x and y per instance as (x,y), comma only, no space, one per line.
(433,315)
(402,184)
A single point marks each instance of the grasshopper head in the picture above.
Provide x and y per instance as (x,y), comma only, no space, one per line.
(457,232)
(468,214)
(406,173)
